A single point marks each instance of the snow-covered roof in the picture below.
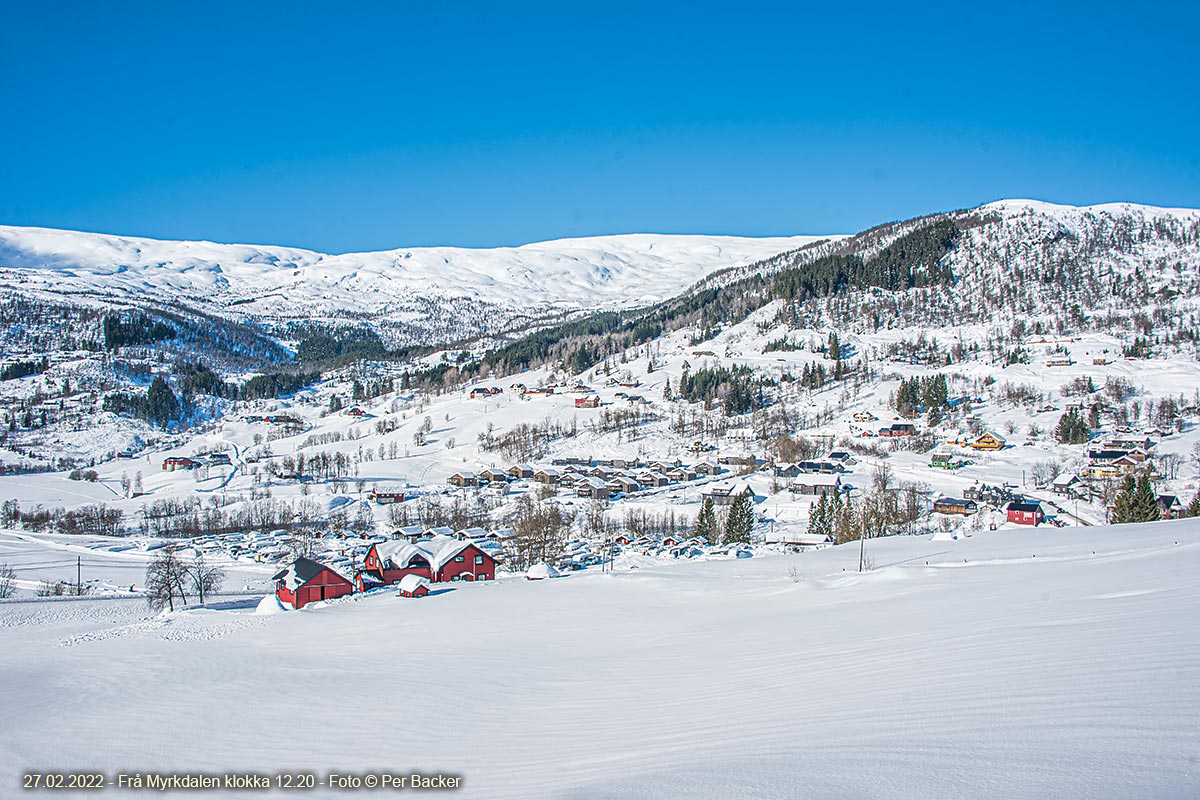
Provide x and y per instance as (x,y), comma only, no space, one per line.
(437,551)
(817,479)
(410,583)
(300,572)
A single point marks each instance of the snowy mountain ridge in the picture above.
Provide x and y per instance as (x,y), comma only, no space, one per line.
(270,283)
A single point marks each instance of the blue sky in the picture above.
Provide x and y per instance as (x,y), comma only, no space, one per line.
(359,126)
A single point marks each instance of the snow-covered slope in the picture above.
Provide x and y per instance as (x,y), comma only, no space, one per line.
(290,283)
(1007,665)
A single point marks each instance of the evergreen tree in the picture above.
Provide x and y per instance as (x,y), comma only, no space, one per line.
(935,392)
(162,403)
(706,523)
(741,519)
(820,517)
(1071,429)
(1122,510)
(1193,509)
(1145,501)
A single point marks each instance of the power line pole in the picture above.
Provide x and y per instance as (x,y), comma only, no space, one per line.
(78,575)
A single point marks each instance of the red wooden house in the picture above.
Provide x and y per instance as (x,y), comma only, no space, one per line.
(1026,513)
(587,402)
(386,498)
(307,581)
(438,560)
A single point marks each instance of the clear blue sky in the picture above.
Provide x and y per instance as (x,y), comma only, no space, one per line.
(355,126)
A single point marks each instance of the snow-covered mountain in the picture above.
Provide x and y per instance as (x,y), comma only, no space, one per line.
(485,289)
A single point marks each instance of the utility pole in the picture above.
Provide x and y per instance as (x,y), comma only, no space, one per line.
(78,576)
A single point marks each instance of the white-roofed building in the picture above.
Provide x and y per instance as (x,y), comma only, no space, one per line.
(438,559)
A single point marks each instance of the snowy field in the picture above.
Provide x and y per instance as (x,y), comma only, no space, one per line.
(109,565)
(1008,664)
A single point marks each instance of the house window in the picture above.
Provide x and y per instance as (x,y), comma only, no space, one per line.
(478,560)
(459,559)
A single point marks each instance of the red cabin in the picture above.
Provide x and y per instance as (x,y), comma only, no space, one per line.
(1026,513)
(307,581)
(413,586)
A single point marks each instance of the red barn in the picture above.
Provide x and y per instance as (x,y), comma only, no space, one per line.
(1026,513)
(438,560)
(307,581)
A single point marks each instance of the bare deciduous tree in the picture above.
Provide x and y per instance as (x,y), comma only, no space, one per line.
(8,580)
(206,577)
(165,579)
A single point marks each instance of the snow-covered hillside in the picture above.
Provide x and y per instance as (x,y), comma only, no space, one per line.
(282,283)
(1002,666)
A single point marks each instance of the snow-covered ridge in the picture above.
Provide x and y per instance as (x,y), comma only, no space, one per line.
(1015,206)
(585,273)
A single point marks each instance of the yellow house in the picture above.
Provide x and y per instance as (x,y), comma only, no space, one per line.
(989,441)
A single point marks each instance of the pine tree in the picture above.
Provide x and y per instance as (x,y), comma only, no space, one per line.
(1122,510)
(706,523)
(1145,501)
(741,519)
(814,522)
(161,401)
(1071,429)
(819,517)
(846,523)
(1193,509)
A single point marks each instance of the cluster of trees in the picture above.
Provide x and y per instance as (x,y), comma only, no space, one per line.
(187,517)
(169,577)
(735,528)
(541,532)
(885,509)
(323,464)
(737,389)
(159,405)
(430,512)
(137,328)
(21,369)
(815,376)
(1136,501)
(1072,429)
(625,421)
(641,522)
(526,441)
(332,347)
(913,260)
(276,384)
(98,519)
(931,392)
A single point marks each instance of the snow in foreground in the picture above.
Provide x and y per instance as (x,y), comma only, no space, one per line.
(1013,664)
